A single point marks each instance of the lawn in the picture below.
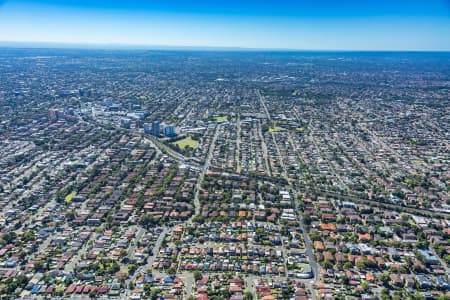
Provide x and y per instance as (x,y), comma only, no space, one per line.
(221,119)
(275,129)
(186,142)
(69,197)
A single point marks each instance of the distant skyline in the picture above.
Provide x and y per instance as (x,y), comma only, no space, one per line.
(266,24)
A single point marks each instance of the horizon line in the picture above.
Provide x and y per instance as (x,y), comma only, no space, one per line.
(126,46)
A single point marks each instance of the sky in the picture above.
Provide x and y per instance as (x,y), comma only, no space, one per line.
(269,24)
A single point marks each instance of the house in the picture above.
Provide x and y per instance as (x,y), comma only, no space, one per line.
(428,257)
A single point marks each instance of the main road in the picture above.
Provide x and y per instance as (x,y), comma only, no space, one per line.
(203,171)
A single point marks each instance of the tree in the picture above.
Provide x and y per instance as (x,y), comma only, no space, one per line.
(327,264)
(154,294)
(418,296)
(147,287)
(306,218)
(385,294)
(147,220)
(345,279)
(397,295)
(122,253)
(197,275)
(9,237)
(132,268)
(171,271)
(39,266)
(348,265)
(365,285)
(384,278)
(71,215)
(248,295)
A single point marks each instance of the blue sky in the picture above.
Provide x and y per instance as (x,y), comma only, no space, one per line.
(288,24)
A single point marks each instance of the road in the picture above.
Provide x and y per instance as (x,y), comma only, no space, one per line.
(250,283)
(75,260)
(330,167)
(390,206)
(150,260)
(443,263)
(238,144)
(308,247)
(261,100)
(203,171)
(263,104)
(172,153)
(132,247)
(189,283)
(264,149)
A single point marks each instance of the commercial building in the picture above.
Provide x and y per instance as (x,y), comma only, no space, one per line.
(169,131)
(147,128)
(156,128)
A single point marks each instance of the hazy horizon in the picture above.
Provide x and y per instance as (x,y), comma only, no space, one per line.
(349,25)
(150,47)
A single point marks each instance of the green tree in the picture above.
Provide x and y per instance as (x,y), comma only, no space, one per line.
(197,275)
(418,296)
(384,278)
(327,264)
(385,294)
(122,253)
(248,295)
(171,271)
(39,266)
(365,285)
